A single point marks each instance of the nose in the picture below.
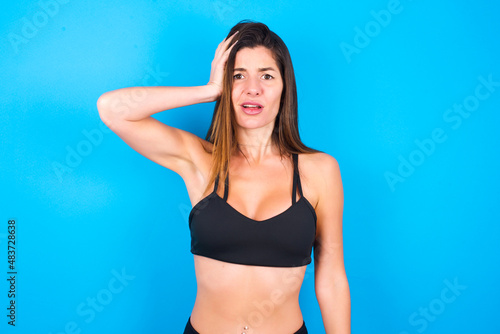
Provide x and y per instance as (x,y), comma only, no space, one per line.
(253,87)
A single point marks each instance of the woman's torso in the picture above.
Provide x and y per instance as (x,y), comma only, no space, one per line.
(231,296)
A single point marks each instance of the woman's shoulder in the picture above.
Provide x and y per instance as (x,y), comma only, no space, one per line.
(319,172)
(319,160)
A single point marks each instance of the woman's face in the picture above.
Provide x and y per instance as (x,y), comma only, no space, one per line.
(257,87)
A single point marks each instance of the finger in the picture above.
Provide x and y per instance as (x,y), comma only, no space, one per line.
(226,40)
(230,38)
(226,53)
(222,47)
(232,44)
(231,47)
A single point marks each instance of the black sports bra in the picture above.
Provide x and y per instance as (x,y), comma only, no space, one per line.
(220,232)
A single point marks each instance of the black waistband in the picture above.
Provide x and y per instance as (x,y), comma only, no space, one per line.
(190,330)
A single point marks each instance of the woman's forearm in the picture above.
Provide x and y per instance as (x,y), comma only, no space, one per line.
(335,306)
(136,103)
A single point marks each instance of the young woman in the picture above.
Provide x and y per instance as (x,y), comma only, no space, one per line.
(255,217)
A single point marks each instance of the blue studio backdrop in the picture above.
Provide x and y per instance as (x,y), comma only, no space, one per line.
(404,94)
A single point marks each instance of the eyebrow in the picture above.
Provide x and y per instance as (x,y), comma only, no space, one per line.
(262,69)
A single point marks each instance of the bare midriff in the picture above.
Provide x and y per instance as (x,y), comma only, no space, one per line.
(235,299)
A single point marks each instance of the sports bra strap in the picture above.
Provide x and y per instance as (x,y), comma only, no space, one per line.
(216,183)
(296,178)
(226,187)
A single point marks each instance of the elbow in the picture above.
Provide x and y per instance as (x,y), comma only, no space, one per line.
(104,109)
(112,108)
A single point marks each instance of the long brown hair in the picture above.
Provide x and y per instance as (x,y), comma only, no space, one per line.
(222,131)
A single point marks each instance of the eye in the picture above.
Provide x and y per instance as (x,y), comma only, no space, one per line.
(237,76)
(268,76)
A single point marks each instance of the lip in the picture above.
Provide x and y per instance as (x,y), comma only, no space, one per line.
(252,111)
(253,103)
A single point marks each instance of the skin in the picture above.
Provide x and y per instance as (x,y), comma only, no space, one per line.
(256,79)
(232,296)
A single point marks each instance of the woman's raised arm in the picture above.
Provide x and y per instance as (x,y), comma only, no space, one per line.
(127,112)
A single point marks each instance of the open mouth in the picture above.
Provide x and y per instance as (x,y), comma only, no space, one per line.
(252,106)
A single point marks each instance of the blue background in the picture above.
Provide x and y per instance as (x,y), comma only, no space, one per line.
(89,210)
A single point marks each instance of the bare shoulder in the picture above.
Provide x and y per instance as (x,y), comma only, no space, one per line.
(320,158)
(319,172)
(319,165)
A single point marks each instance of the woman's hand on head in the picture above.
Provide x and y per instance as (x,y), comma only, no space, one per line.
(219,63)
